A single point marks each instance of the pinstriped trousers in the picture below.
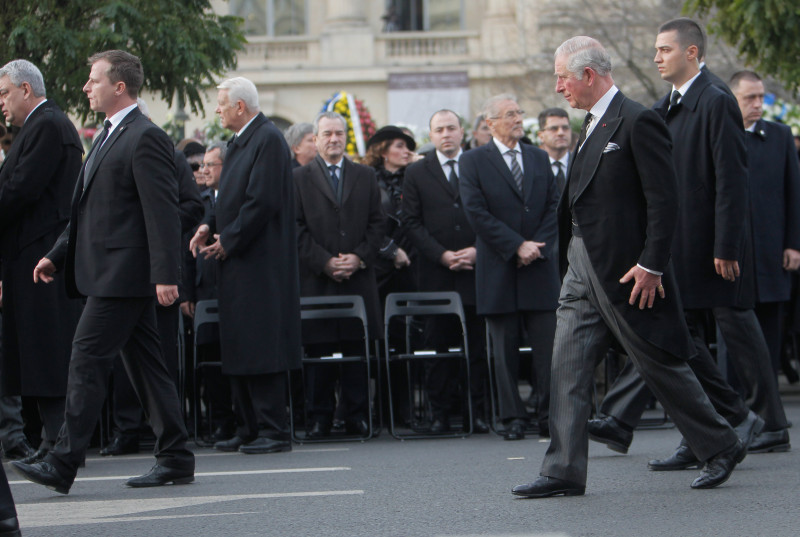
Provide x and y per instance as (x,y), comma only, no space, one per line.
(586,324)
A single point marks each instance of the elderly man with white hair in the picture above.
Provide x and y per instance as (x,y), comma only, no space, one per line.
(254,239)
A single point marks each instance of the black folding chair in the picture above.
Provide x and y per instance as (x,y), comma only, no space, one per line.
(206,312)
(406,306)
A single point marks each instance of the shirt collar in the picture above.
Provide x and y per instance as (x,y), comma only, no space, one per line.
(563,160)
(246,125)
(337,164)
(688,84)
(502,147)
(444,159)
(34,109)
(600,107)
(117,118)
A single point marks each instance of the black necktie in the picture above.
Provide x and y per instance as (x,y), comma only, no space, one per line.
(561,179)
(673,100)
(232,140)
(515,169)
(87,170)
(584,128)
(452,177)
(334,178)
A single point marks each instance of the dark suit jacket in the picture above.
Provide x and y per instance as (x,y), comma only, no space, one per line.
(502,220)
(625,202)
(124,233)
(326,228)
(436,222)
(774,181)
(717,81)
(710,163)
(259,296)
(36,181)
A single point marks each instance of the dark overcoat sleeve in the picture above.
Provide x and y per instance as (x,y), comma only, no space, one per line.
(367,249)
(310,253)
(427,245)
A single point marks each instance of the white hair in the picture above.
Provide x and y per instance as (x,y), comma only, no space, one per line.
(490,108)
(241,89)
(20,71)
(143,107)
(582,52)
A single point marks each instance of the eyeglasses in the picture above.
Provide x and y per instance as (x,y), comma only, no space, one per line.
(511,114)
(209,164)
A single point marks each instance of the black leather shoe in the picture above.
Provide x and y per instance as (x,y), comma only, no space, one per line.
(36,456)
(612,433)
(749,428)
(10,527)
(121,446)
(21,450)
(319,430)
(359,427)
(719,467)
(161,475)
(514,431)
(222,433)
(45,474)
(545,487)
(231,444)
(440,426)
(479,426)
(770,441)
(682,459)
(265,445)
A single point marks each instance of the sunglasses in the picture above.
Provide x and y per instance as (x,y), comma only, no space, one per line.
(195,166)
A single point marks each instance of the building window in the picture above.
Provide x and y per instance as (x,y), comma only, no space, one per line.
(274,18)
(423,15)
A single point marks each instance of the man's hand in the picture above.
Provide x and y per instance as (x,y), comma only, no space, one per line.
(727,268)
(646,285)
(200,239)
(341,267)
(791,259)
(187,308)
(332,271)
(44,271)
(167,294)
(463,259)
(401,259)
(214,250)
(528,252)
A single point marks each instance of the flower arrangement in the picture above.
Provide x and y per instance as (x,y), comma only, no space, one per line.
(785,112)
(360,126)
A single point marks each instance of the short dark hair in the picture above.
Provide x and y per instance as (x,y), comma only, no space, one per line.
(551,112)
(689,33)
(744,74)
(125,67)
(444,111)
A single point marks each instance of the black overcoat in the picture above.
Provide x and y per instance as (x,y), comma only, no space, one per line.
(436,222)
(36,182)
(711,168)
(259,298)
(502,220)
(327,227)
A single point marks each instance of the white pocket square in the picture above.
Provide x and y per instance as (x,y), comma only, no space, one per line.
(611,147)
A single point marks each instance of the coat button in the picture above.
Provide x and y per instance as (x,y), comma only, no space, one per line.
(527,210)
(458,228)
(342,233)
(455,205)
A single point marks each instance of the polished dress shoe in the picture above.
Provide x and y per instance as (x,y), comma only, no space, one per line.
(611,432)
(440,426)
(222,433)
(479,426)
(36,456)
(514,431)
(319,430)
(749,428)
(10,527)
(544,487)
(45,474)
(121,446)
(161,475)
(770,441)
(22,450)
(231,444)
(682,459)
(719,467)
(358,427)
(265,445)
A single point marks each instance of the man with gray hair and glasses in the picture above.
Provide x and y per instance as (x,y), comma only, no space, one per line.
(616,220)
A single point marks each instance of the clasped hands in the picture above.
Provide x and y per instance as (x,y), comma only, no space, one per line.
(463,259)
(528,252)
(341,267)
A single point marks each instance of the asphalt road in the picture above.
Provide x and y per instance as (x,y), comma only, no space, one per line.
(385,487)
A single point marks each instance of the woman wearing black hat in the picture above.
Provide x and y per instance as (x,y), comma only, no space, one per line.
(389,151)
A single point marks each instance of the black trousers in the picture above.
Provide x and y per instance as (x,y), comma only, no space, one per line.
(321,383)
(505,331)
(108,327)
(260,403)
(7,509)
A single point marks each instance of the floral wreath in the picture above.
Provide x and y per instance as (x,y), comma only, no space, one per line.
(360,126)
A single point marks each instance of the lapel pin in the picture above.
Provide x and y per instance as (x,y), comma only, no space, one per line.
(604,124)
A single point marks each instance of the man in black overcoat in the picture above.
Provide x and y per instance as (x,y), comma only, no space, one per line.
(510,197)
(441,233)
(121,249)
(36,182)
(616,221)
(259,299)
(340,225)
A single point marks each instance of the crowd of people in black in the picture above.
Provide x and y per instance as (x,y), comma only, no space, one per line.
(648,232)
